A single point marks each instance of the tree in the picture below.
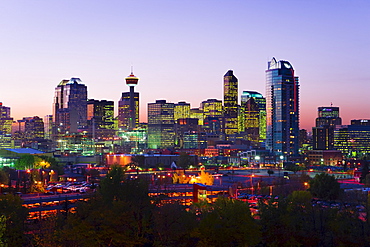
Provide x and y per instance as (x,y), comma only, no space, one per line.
(173,225)
(364,171)
(206,178)
(139,160)
(179,177)
(110,186)
(227,223)
(4,177)
(184,160)
(26,161)
(290,166)
(270,172)
(325,187)
(15,214)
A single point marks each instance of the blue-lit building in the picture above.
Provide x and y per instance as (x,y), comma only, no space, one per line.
(282,108)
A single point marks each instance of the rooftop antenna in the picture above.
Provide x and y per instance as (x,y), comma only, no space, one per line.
(132,69)
(331,104)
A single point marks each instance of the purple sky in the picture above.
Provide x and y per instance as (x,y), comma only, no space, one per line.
(181,50)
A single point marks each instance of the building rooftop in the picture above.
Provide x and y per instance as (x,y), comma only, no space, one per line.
(24,150)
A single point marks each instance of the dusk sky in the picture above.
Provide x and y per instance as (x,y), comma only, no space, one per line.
(180,50)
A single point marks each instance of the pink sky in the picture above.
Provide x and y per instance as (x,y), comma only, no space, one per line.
(181,50)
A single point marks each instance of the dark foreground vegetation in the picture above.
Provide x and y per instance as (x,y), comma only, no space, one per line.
(122,214)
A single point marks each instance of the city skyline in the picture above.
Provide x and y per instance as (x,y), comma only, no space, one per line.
(181,51)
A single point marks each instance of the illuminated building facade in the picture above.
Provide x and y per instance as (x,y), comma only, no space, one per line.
(128,106)
(212,108)
(124,110)
(70,107)
(197,113)
(282,108)
(182,126)
(250,121)
(230,103)
(353,140)
(5,119)
(195,140)
(48,126)
(253,106)
(213,115)
(100,116)
(34,127)
(323,133)
(181,110)
(134,141)
(161,125)
(328,116)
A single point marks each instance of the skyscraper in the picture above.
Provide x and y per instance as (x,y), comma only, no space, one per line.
(161,125)
(282,108)
(323,133)
(230,103)
(254,109)
(5,119)
(70,107)
(182,110)
(124,110)
(100,115)
(213,115)
(128,106)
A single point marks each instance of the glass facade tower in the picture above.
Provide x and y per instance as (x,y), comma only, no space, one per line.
(70,107)
(282,109)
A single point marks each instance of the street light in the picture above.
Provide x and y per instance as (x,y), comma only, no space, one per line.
(258,160)
(252,175)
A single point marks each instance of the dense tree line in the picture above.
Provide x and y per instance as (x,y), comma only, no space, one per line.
(122,214)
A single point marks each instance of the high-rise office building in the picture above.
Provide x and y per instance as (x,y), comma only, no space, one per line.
(5,119)
(212,108)
(161,125)
(182,110)
(124,118)
(70,107)
(230,103)
(34,128)
(323,133)
(28,128)
(100,116)
(197,113)
(213,115)
(253,106)
(48,126)
(282,108)
(182,126)
(250,121)
(328,116)
(353,140)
